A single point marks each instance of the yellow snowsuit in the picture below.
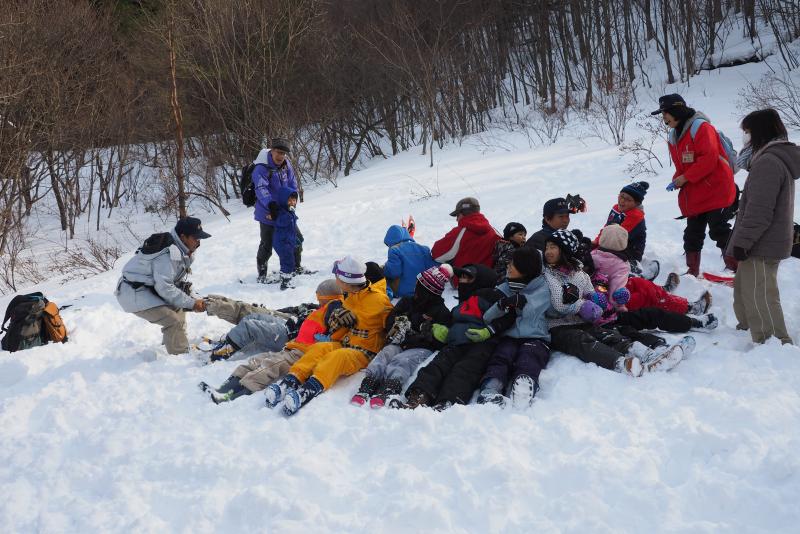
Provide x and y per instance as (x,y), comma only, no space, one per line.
(328,361)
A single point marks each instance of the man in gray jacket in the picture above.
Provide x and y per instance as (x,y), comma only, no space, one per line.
(153,285)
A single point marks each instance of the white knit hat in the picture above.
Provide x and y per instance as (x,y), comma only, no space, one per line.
(614,237)
(350,270)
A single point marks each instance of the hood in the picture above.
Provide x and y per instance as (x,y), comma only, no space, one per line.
(477,223)
(265,158)
(485,278)
(396,234)
(284,193)
(787,152)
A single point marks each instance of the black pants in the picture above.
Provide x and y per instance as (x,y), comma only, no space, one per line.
(719,229)
(455,372)
(654,318)
(265,248)
(599,345)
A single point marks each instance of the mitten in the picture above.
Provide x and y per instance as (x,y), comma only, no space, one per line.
(273,209)
(671,187)
(476,335)
(439,332)
(515,301)
(590,312)
(571,294)
(397,333)
(621,296)
(740,254)
(599,298)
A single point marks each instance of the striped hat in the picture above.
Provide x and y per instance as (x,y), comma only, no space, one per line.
(350,270)
(435,278)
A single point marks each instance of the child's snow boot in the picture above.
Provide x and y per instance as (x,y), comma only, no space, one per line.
(650,270)
(705,323)
(671,357)
(286,281)
(368,386)
(391,388)
(629,365)
(297,398)
(442,406)
(523,390)
(223,350)
(701,305)
(276,391)
(672,283)
(491,392)
(414,398)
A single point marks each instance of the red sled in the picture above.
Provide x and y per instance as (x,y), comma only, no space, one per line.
(719,279)
(410,225)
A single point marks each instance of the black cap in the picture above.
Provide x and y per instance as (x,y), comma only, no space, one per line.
(281,143)
(465,206)
(191,226)
(669,101)
(466,270)
(554,206)
(513,228)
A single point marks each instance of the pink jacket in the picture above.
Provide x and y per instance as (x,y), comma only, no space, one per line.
(614,267)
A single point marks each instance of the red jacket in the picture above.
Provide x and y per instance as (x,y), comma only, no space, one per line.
(472,241)
(703,163)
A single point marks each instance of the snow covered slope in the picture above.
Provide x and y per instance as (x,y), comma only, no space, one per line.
(108,434)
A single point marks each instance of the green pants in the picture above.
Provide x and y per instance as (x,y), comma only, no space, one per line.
(756,301)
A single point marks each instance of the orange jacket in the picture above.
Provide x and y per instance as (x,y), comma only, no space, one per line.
(314,324)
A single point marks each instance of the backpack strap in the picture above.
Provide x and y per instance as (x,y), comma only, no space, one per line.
(696,124)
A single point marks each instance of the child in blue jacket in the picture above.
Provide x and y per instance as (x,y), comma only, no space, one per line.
(285,238)
(407,259)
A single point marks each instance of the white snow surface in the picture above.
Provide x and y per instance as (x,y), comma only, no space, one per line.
(107,433)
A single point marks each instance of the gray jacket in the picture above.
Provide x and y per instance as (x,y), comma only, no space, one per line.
(764,226)
(531,322)
(159,272)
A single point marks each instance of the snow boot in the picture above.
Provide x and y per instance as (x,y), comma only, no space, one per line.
(276,391)
(414,399)
(391,387)
(523,390)
(672,283)
(442,406)
(693,263)
(705,323)
(671,357)
(650,270)
(368,386)
(302,270)
(297,398)
(223,350)
(701,305)
(629,365)
(286,281)
(491,392)
(227,396)
(731,263)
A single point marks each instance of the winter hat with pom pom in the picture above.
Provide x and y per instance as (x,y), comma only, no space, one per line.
(637,190)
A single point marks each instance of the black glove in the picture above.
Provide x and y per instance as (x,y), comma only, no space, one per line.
(341,318)
(273,210)
(571,294)
(740,254)
(514,302)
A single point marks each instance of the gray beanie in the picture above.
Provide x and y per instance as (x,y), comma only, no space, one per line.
(328,288)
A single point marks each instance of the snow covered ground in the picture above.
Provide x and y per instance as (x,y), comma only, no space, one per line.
(108,434)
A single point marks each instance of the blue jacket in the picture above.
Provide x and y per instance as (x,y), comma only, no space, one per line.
(284,241)
(532,322)
(407,259)
(267,178)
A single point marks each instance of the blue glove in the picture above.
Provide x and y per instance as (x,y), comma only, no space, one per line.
(621,296)
(671,187)
(322,337)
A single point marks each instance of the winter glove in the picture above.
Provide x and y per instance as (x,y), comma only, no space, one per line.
(671,187)
(397,333)
(590,312)
(571,294)
(439,332)
(273,210)
(322,338)
(476,335)
(740,254)
(621,296)
(512,302)
(341,318)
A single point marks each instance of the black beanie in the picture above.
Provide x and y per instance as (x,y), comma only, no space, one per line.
(512,228)
(374,272)
(528,261)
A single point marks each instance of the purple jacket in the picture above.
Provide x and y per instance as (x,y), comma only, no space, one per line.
(267,180)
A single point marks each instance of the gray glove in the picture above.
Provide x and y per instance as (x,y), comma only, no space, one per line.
(397,333)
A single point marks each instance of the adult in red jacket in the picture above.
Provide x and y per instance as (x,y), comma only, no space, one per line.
(703,175)
(472,241)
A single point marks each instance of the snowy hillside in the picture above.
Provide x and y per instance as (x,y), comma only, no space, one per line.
(108,434)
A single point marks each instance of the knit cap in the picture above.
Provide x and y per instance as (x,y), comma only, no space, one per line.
(374,272)
(566,241)
(328,288)
(435,278)
(614,237)
(637,190)
(350,270)
(513,228)
(528,261)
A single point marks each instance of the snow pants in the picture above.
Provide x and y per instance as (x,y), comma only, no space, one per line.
(263,369)
(653,319)
(756,300)
(646,294)
(327,362)
(260,331)
(234,311)
(719,229)
(392,362)
(514,357)
(284,242)
(602,346)
(267,234)
(173,327)
(455,372)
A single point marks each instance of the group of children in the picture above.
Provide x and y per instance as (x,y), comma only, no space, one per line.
(564,292)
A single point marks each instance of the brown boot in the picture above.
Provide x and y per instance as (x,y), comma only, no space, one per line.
(417,398)
(693,263)
(731,263)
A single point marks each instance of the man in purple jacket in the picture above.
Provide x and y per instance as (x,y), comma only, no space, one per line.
(272,171)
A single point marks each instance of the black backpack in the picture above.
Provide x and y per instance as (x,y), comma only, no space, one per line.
(25,329)
(246,185)
(156,243)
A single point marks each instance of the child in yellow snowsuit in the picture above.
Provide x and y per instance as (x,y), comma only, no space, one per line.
(362,316)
